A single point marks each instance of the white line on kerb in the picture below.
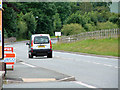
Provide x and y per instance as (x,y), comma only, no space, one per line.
(27,64)
(86,85)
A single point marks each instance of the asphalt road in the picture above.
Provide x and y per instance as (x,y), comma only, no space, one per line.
(89,71)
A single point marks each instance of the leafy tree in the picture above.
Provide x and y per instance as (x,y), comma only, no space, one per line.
(101,6)
(64,10)
(113,18)
(22,27)
(76,18)
(10,21)
(57,22)
(30,21)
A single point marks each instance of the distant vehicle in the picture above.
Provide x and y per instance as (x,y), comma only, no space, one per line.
(40,45)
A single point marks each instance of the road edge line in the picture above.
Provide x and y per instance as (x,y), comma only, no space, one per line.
(71,78)
(84,84)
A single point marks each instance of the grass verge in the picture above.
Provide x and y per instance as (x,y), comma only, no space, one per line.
(91,46)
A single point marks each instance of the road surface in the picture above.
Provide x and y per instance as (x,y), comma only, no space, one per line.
(89,71)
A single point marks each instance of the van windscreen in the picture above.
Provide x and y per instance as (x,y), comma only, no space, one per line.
(41,40)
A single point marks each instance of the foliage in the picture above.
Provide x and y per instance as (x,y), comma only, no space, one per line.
(71,29)
(113,18)
(106,25)
(90,27)
(26,25)
(26,18)
(76,18)
(57,22)
(10,22)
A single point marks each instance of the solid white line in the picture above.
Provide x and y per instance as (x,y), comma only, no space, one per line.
(86,85)
(27,64)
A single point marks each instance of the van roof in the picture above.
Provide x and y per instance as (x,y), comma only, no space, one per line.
(40,35)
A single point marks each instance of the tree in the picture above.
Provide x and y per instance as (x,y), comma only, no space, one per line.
(76,18)
(10,22)
(64,10)
(29,20)
(57,22)
(22,27)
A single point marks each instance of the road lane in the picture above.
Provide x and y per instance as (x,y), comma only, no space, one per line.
(95,71)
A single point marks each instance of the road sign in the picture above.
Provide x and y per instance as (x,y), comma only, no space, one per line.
(1,34)
(9,58)
(8,49)
(57,33)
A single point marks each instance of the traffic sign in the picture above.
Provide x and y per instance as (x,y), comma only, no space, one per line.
(57,33)
(9,58)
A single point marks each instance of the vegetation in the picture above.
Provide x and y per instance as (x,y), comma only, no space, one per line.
(91,46)
(23,19)
(71,29)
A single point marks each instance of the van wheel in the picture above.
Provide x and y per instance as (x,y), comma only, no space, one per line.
(30,56)
(49,55)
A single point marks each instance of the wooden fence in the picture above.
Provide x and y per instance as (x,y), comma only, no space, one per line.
(91,35)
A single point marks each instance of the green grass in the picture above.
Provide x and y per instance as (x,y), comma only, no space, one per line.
(52,36)
(96,46)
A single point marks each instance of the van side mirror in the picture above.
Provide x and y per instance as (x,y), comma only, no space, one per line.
(27,44)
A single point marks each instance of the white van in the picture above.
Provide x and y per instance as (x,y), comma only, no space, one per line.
(40,45)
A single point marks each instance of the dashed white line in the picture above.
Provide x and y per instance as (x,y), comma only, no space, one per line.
(84,84)
(96,63)
(27,64)
(103,64)
(107,65)
(116,67)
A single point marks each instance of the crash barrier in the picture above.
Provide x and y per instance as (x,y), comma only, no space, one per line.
(100,34)
(9,58)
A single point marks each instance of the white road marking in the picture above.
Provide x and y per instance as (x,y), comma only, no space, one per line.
(86,85)
(57,56)
(107,65)
(116,67)
(27,64)
(96,63)
(95,57)
(103,64)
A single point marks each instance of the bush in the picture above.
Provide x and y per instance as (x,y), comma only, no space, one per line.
(71,29)
(90,27)
(106,25)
